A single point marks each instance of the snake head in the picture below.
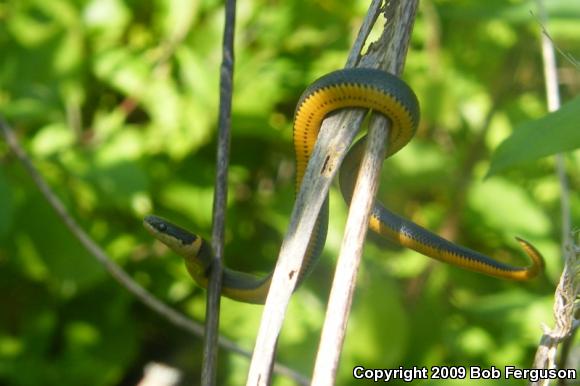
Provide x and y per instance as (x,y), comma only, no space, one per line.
(179,240)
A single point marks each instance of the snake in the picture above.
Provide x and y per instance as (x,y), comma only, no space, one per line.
(382,93)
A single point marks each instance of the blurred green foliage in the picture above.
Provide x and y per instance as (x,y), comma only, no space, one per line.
(116,101)
(530,142)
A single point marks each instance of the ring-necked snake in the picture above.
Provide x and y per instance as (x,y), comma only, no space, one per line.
(367,88)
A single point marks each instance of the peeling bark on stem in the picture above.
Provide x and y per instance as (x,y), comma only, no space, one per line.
(335,137)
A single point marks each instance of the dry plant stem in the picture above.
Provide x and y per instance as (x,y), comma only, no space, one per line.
(363,33)
(565,304)
(210,344)
(394,42)
(390,50)
(114,270)
(331,147)
(336,135)
(565,308)
(344,282)
(553,98)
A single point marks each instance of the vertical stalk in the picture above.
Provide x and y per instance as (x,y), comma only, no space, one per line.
(210,344)
(387,53)
(334,139)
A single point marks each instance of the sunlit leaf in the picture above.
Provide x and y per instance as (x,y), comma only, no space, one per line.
(557,132)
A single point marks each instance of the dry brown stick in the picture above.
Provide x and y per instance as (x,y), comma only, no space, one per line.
(344,282)
(394,41)
(336,135)
(114,270)
(365,29)
(330,149)
(210,344)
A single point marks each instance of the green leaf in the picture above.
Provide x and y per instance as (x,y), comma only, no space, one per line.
(556,132)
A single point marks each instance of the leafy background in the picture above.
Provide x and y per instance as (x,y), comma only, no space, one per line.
(116,101)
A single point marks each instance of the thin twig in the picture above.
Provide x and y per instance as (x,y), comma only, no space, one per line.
(566,55)
(336,134)
(210,347)
(396,37)
(114,270)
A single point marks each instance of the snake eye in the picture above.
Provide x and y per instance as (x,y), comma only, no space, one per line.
(162,227)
